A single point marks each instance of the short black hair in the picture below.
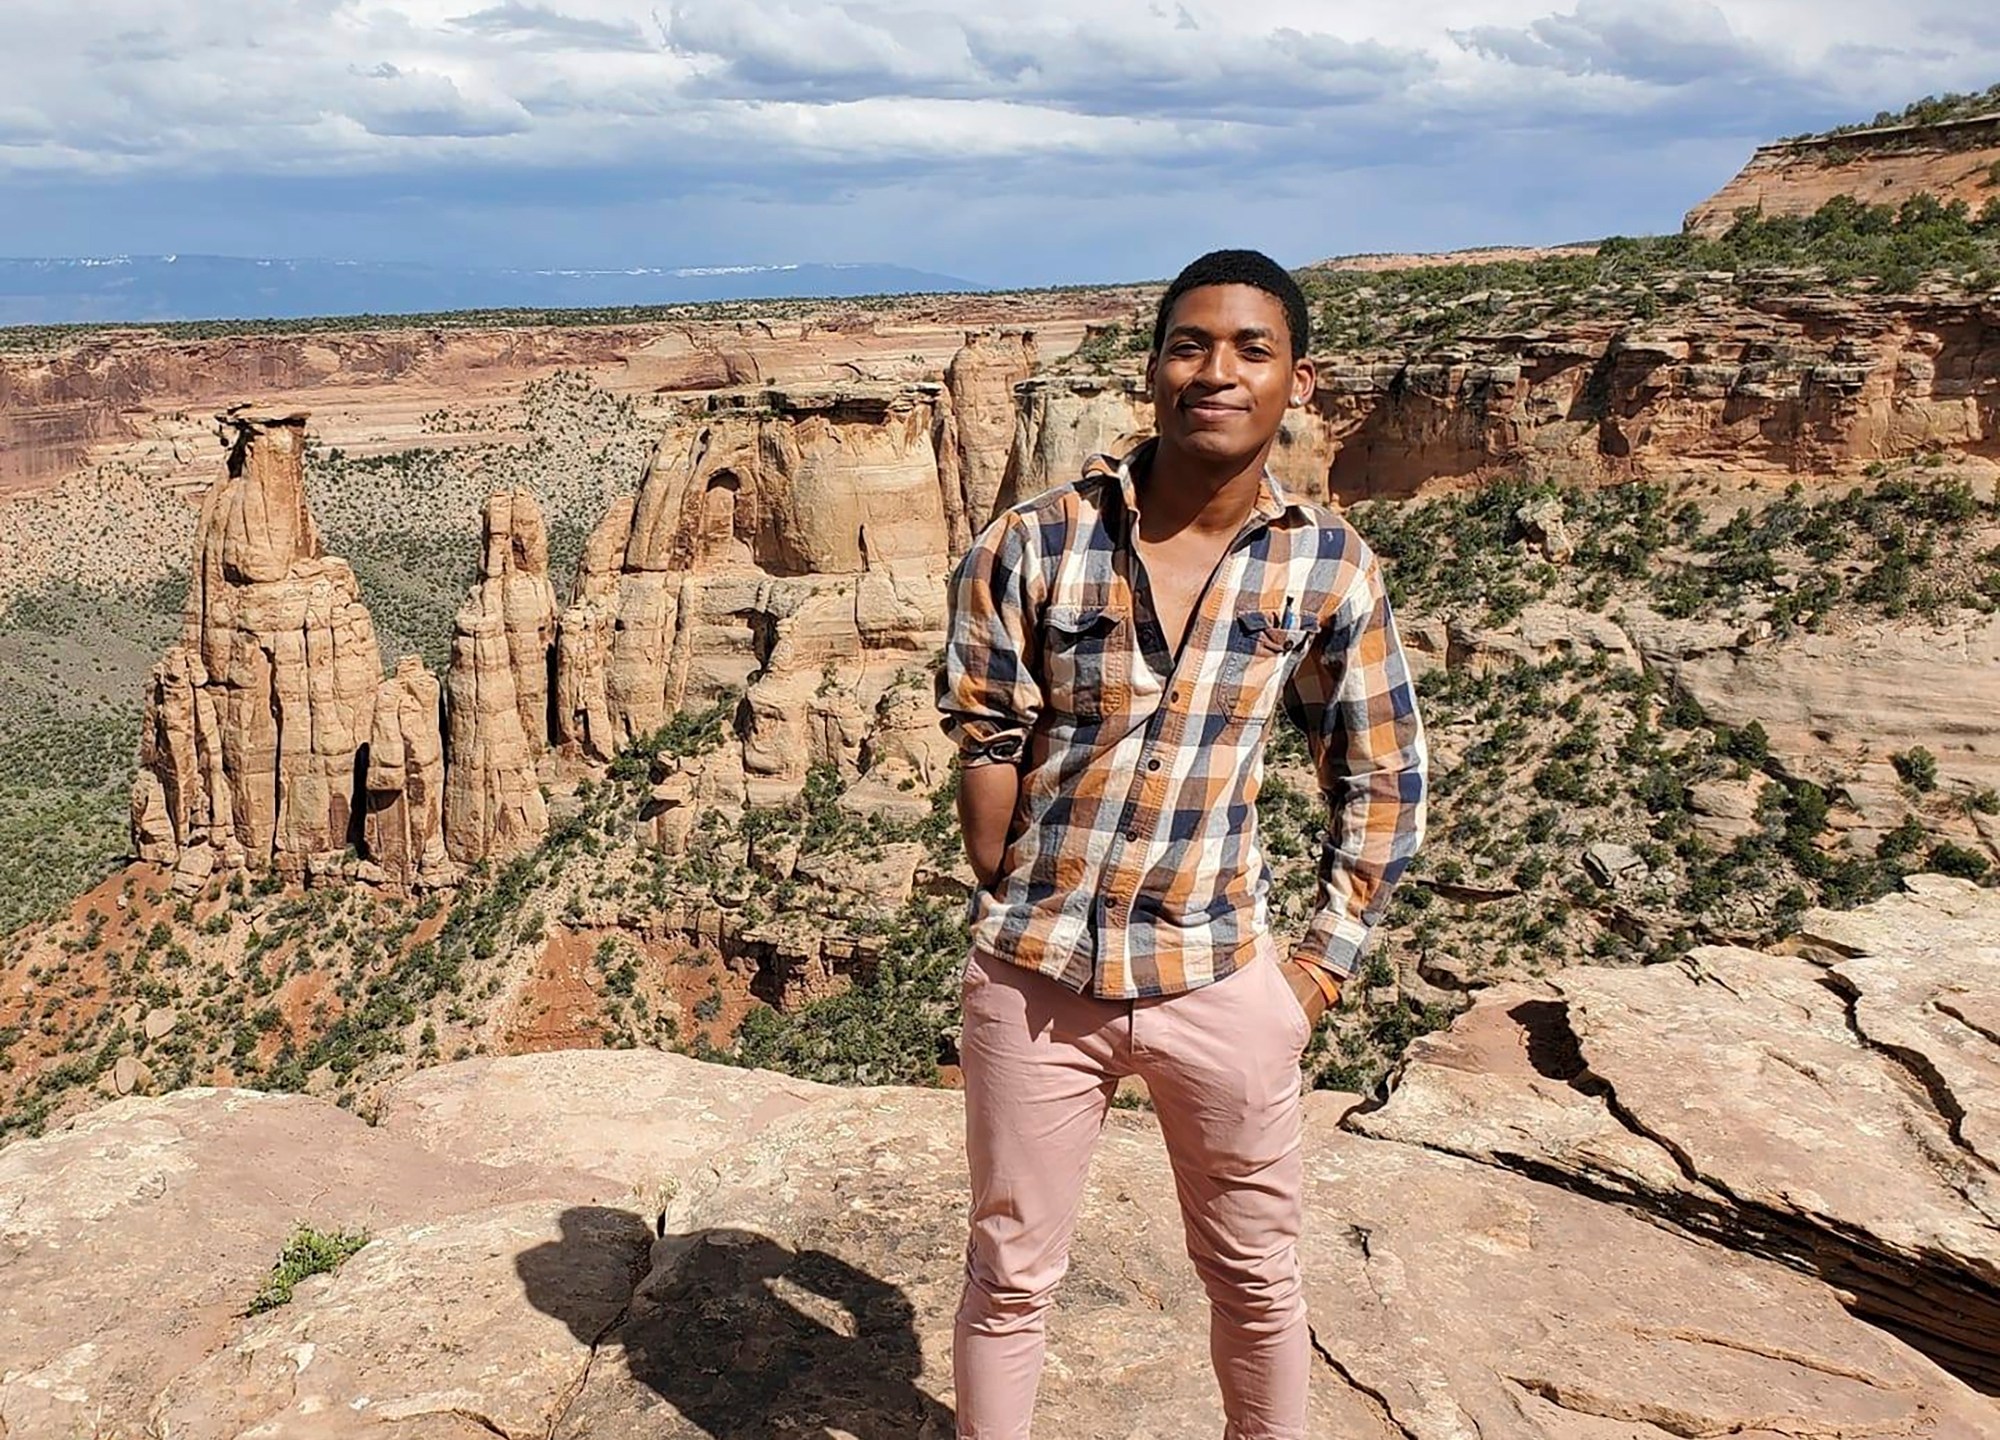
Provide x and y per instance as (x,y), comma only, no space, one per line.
(1241,267)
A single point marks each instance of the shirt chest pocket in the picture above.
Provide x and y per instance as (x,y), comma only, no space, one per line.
(1086,650)
(1264,648)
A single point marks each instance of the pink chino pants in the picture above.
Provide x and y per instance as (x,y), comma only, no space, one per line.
(1222,1065)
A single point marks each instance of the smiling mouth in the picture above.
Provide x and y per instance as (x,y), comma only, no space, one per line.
(1210,407)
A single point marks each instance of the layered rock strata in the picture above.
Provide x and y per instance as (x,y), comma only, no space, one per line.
(1830,1111)
(1799,385)
(1885,165)
(254,720)
(788,548)
(502,651)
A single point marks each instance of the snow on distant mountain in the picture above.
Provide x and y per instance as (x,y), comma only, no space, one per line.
(215,287)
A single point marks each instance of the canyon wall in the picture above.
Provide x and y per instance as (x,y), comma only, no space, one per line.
(1790,386)
(1958,160)
(788,549)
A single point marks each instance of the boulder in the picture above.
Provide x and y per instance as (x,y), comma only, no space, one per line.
(1611,864)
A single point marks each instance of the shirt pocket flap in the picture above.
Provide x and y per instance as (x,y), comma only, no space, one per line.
(1081,619)
(1277,629)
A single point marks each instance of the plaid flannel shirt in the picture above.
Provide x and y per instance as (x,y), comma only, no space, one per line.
(1134,867)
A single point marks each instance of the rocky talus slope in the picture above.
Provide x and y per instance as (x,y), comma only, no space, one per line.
(1624,1206)
(1954,160)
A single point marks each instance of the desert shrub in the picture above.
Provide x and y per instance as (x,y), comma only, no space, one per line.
(309,1252)
(1917,768)
(1949,859)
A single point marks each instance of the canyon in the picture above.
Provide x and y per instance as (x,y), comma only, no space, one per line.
(789,546)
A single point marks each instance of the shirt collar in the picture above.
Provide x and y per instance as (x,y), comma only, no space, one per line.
(1274,498)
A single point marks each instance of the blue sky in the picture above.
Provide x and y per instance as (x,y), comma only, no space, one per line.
(1007,141)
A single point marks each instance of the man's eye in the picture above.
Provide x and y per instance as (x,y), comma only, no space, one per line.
(1256,352)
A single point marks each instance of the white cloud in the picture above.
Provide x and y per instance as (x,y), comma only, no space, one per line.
(946,117)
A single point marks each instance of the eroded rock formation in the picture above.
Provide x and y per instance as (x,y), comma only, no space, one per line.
(502,648)
(1790,386)
(254,720)
(1829,1111)
(1881,166)
(981,380)
(626,1243)
(789,548)
(403,833)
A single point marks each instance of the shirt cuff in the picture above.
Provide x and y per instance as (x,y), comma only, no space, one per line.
(985,743)
(1332,946)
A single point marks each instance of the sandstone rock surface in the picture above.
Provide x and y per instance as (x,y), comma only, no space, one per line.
(787,549)
(1857,697)
(503,643)
(403,832)
(612,1244)
(1881,166)
(1828,1112)
(186,1200)
(980,381)
(254,719)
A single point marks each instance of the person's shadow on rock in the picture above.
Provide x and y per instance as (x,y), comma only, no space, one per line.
(745,1338)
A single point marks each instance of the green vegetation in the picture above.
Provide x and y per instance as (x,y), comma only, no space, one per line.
(309,1252)
(409,521)
(1845,245)
(892,1027)
(1105,345)
(75,660)
(1931,110)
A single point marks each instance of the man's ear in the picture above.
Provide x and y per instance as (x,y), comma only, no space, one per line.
(1305,380)
(1152,363)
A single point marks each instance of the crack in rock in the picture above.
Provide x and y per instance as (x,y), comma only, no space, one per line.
(1913,1062)
(1967,1021)
(1673,1421)
(574,1391)
(1376,1397)
(1766,1352)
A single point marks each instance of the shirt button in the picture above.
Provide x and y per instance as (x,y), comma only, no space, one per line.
(1153,764)
(1174,696)
(1132,836)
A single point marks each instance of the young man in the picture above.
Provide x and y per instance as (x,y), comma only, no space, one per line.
(1117,647)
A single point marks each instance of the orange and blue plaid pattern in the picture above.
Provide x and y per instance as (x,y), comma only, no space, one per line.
(1136,869)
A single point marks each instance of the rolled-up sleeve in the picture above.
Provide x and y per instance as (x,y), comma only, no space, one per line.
(988,692)
(1354,698)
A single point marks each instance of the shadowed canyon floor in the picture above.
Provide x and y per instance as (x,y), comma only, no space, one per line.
(589,1244)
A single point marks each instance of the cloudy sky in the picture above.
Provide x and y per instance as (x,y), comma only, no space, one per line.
(1008,141)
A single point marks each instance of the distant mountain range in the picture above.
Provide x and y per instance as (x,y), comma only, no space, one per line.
(218,287)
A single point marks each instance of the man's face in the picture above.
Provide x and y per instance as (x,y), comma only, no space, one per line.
(1224,374)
